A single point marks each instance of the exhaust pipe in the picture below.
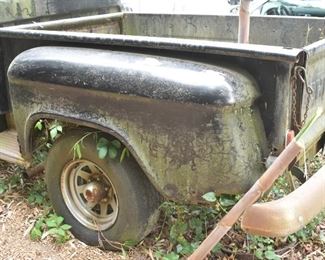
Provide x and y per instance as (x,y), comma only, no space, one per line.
(289,214)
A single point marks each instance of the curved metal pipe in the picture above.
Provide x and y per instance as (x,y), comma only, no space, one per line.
(287,215)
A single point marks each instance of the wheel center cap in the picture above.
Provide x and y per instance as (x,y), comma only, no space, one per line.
(94,192)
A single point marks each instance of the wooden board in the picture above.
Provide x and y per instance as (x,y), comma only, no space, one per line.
(9,148)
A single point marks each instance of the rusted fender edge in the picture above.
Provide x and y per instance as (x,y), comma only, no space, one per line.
(289,214)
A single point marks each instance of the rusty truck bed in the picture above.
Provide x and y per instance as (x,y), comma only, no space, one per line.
(280,49)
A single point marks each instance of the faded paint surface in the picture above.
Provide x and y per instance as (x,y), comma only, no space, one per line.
(205,138)
(187,141)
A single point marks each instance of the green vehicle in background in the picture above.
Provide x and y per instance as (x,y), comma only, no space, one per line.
(313,8)
(294,8)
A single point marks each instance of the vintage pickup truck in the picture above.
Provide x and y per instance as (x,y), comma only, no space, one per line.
(197,111)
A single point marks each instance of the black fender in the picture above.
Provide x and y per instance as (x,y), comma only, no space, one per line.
(193,127)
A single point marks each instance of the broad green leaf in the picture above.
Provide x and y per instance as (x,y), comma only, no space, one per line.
(59,220)
(57,231)
(187,249)
(102,152)
(259,253)
(31,198)
(3,188)
(210,196)
(39,223)
(112,152)
(35,234)
(102,142)
(39,125)
(59,128)
(227,201)
(130,243)
(35,198)
(177,230)
(217,248)
(117,144)
(65,227)
(125,152)
(171,256)
(271,255)
(77,150)
(53,133)
(51,223)
(197,225)
(39,199)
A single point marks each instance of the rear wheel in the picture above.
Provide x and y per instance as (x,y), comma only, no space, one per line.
(106,202)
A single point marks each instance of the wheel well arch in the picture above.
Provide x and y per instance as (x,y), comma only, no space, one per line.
(31,121)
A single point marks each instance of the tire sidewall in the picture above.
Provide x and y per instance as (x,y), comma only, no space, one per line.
(127,224)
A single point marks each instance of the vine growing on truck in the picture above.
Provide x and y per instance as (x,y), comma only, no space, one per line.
(106,147)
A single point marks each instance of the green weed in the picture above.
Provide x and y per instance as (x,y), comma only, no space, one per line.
(262,247)
(37,194)
(11,182)
(188,226)
(51,225)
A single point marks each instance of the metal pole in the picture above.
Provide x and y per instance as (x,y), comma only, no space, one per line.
(244,22)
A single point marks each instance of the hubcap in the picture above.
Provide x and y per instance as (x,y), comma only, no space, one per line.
(94,192)
(89,194)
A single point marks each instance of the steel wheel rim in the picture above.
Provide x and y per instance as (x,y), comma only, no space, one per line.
(79,181)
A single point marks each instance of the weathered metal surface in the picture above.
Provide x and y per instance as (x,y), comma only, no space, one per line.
(179,162)
(186,26)
(290,32)
(264,72)
(18,10)
(272,53)
(315,78)
(192,127)
(81,24)
(287,215)
(50,7)
(271,66)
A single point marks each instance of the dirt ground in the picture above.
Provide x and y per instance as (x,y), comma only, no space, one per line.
(17,218)
(16,221)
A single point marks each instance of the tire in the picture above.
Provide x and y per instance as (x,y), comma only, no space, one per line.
(133,203)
